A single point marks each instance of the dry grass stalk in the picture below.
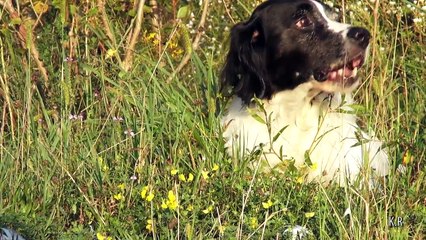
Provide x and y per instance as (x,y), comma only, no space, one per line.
(25,38)
(195,42)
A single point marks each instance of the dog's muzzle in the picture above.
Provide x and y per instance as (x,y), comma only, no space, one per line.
(358,40)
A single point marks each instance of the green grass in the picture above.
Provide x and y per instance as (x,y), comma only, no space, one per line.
(63,178)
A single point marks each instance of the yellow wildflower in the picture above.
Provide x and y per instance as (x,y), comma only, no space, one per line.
(182,177)
(309,214)
(208,210)
(144,191)
(147,194)
(150,197)
(100,236)
(267,204)
(215,167)
(221,229)
(171,200)
(300,180)
(150,36)
(40,8)
(149,224)
(121,186)
(253,223)
(190,207)
(103,166)
(190,177)
(205,174)
(118,197)
(172,205)
(407,158)
(111,53)
(174,171)
(171,196)
(173,44)
(177,52)
(164,205)
(314,166)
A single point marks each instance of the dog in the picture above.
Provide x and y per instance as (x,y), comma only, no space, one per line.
(290,71)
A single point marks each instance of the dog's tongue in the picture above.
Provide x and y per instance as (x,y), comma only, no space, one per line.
(349,69)
(357,62)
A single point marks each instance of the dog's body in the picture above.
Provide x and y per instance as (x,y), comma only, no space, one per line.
(298,63)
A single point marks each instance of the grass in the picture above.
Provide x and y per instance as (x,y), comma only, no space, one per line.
(98,152)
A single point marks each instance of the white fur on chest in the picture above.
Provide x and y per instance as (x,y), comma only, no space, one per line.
(312,125)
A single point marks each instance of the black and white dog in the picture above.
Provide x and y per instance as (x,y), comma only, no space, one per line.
(288,67)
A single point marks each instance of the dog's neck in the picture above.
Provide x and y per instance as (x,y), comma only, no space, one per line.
(300,103)
(305,94)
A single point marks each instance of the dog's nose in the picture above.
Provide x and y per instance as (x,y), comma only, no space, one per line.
(360,35)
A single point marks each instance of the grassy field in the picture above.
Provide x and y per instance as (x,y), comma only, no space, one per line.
(111,133)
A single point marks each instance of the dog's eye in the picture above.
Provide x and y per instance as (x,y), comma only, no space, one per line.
(303,22)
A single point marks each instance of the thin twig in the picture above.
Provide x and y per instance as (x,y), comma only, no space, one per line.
(38,20)
(7,5)
(36,56)
(228,12)
(128,59)
(156,23)
(195,43)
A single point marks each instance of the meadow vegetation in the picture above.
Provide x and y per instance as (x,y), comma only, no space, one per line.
(109,126)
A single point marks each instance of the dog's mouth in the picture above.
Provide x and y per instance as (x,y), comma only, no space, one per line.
(341,71)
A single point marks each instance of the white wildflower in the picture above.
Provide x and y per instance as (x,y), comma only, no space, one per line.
(297,232)
(347,212)
(129,133)
(417,20)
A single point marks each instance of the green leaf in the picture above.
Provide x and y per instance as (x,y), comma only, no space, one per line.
(73,9)
(308,160)
(61,5)
(16,21)
(183,12)
(278,134)
(147,9)
(92,12)
(258,118)
(132,13)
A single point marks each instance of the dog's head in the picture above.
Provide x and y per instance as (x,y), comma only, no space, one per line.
(289,42)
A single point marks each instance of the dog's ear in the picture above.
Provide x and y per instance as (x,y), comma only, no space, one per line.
(245,66)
